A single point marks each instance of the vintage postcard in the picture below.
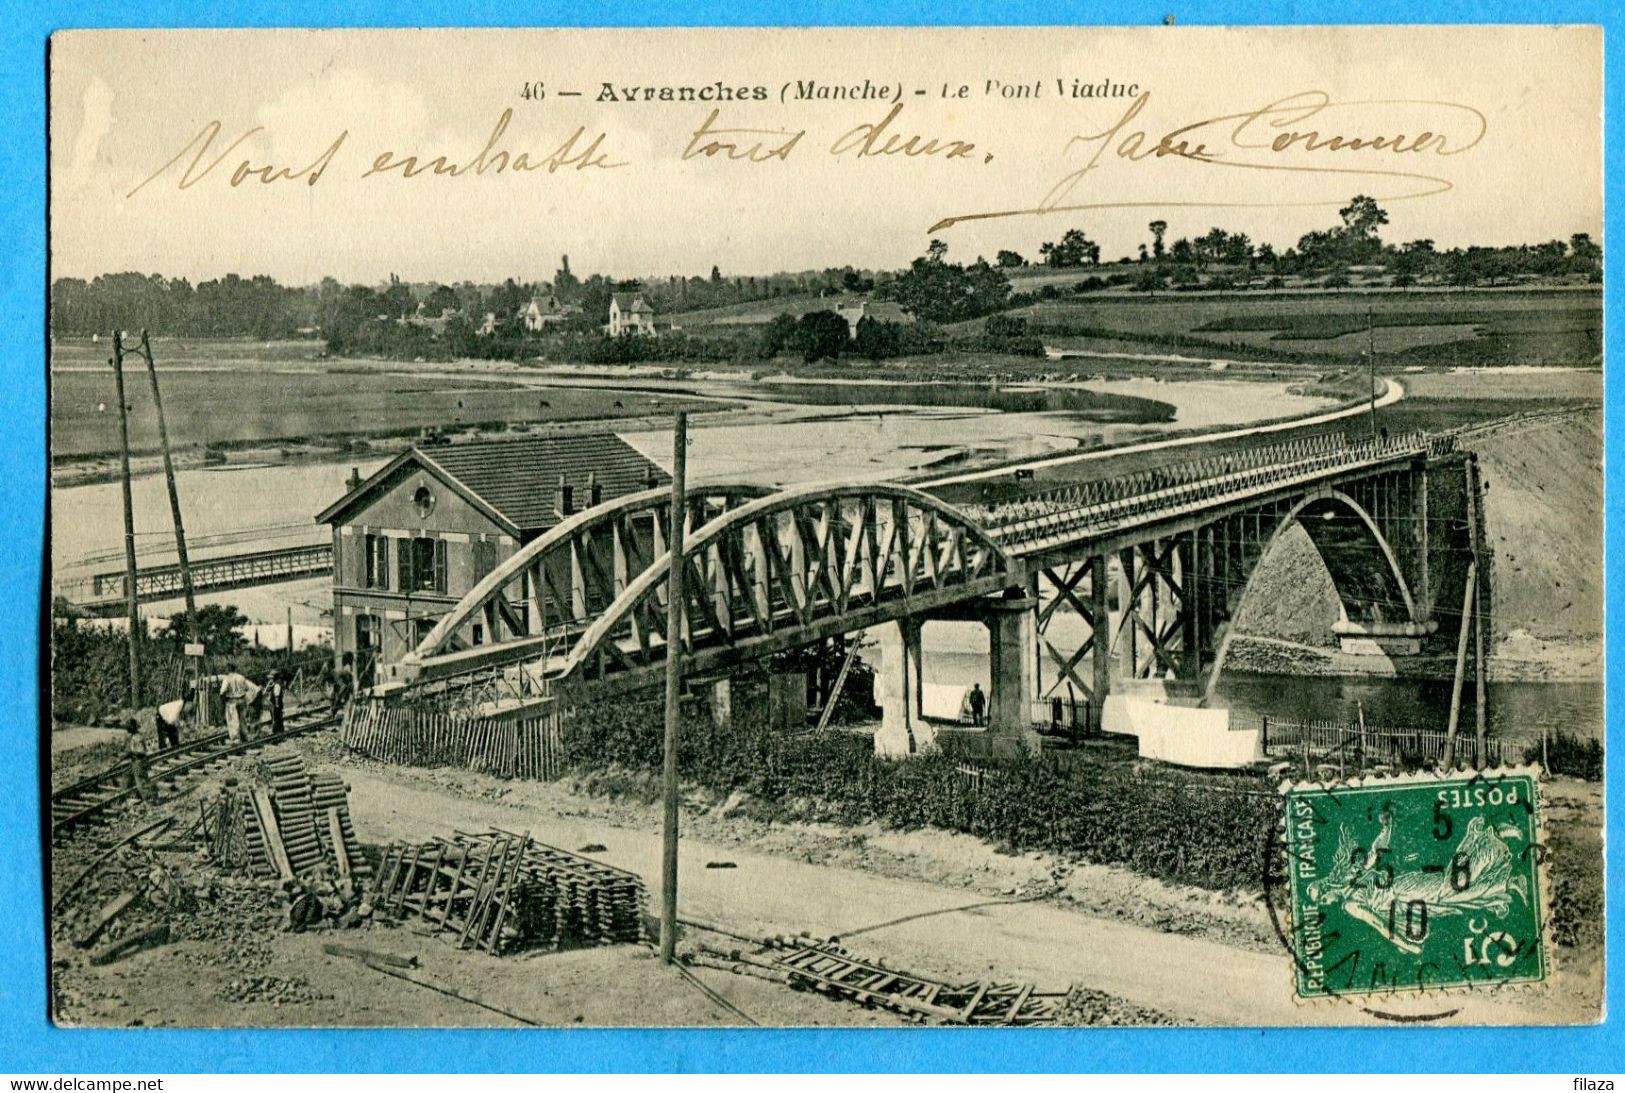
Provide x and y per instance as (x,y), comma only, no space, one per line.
(866,526)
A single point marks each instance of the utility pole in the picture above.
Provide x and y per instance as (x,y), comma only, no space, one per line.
(674,681)
(1371,366)
(1480,698)
(131,600)
(193,649)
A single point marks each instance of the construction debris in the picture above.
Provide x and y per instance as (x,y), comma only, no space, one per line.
(502,892)
(273,989)
(130,944)
(826,967)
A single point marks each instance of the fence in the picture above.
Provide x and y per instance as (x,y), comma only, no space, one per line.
(529,747)
(1348,744)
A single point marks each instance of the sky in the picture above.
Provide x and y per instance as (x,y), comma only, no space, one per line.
(1491,135)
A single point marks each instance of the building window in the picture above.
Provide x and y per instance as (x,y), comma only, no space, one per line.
(485,558)
(376,556)
(421,564)
(479,634)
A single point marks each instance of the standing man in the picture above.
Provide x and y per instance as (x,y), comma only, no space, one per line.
(344,684)
(135,750)
(274,700)
(978,703)
(236,690)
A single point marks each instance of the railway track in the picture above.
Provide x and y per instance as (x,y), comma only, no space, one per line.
(97,798)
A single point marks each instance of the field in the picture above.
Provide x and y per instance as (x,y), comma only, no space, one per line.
(235,393)
(1410,329)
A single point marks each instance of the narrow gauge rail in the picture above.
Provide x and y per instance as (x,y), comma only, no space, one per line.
(94,798)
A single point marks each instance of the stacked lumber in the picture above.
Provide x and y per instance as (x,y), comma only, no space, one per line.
(289,822)
(502,892)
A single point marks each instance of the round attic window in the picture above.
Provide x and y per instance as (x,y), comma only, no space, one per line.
(423,500)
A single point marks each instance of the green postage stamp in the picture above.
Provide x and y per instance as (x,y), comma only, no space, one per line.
(1416,884)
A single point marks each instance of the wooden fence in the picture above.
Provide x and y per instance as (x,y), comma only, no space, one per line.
(1370,745)
(530,747)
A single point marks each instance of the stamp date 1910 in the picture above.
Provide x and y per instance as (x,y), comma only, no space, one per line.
(1415,884)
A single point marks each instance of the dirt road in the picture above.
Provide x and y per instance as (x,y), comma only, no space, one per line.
(929,928)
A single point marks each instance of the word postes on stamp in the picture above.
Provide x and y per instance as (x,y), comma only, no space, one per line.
(1415,884)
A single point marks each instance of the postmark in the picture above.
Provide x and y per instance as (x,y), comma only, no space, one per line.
(1404,887)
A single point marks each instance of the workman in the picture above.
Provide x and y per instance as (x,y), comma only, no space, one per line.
(171,715)
(238,691)
(978,703)
(274,699)
(135,750)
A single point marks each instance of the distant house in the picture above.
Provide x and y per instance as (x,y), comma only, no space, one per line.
(629,313)
(416,536)
(545,309)
(881,311)
(434,324)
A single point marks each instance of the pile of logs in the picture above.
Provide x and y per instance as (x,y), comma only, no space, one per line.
(288,822)
(501,892)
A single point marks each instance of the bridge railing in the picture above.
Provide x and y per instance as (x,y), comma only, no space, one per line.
(1159,490)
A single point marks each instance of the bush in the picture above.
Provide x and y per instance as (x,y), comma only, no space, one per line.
(1191,830)
(1569,754)
(90,667)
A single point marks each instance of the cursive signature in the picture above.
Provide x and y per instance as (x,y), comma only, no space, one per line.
(1304,133)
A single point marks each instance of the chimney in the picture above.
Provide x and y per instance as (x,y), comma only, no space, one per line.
(564,499)
(353,483)
(595,492)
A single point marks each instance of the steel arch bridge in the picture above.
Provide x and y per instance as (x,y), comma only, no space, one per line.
(1145,571)
(766,571)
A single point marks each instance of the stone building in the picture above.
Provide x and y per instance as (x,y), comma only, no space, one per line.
(410,540)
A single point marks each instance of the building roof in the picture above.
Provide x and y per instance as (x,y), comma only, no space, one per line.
(889,311)
(515,482)
(631,301)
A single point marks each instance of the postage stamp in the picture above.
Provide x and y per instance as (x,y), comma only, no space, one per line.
(1415,884)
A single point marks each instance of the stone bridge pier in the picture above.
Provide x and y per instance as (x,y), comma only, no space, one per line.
(1011,622)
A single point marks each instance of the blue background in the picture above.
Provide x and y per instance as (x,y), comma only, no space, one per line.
(28,1042)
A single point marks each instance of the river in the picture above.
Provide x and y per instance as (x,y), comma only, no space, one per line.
(955,654)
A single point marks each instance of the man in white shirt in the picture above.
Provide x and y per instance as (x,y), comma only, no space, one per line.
(171,715)
(239,692)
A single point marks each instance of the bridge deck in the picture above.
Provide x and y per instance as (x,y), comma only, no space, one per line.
(104,592)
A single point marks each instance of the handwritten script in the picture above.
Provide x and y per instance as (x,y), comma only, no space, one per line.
(1397,141)
(1304,134)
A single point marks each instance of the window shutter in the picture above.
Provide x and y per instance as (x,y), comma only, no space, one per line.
(440,566)
(383,562)
(403,565)
(371,574)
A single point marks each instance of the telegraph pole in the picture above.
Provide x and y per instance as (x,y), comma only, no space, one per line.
(131,600)
(193,649)
(674,681)
(174,497)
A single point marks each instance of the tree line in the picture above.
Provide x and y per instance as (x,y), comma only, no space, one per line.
(1332,252)
(383,319)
